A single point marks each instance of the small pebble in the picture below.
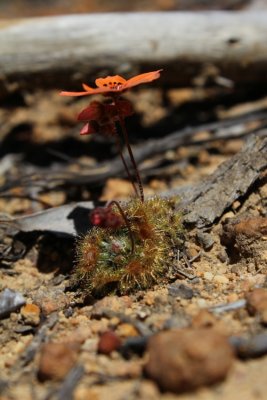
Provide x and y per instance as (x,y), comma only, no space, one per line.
(114,321)
(99,326)
(142,315)
(202,303)
(236,204)
(108,342)
(180,290)
(56,360)
(192,250)
(257,301)
(149,298)
(208,276)
(223,256)
(114,303)
(31,314)
(228,215)
(48,306)
(68,312)
(205,240)
(232,297)
(221,279)
(126,330)
(23,329)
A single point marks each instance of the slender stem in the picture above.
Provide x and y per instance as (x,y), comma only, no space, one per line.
(126,138)
(125,164)
(114,202)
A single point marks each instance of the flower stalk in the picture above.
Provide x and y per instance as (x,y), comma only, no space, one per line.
(102,117)
(125,164)
(137,174)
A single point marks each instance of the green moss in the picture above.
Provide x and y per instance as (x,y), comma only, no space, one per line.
(105,261)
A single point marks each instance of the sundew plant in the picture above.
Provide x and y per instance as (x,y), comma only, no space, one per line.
(131,245)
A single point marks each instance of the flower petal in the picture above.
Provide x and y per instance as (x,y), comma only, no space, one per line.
(74,94)
(143,78)
(91,113)
(87,88)
(111,83)
(84,130)
(87,129)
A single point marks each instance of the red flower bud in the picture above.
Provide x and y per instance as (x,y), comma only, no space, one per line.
(104,217)
(97,216)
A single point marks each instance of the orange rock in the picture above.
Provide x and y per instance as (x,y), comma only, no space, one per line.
(56,360)
(181,360)
(126,330)
(113,303)
(31,314)
(249,227)
(49,306)
(246,239)
(257,301)
(256,226)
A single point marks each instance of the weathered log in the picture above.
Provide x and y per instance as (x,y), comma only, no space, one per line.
(19,9)
(64,50)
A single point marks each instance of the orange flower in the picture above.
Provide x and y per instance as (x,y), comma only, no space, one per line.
(115,84)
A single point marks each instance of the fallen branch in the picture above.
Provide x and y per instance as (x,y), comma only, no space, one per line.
(55,50)
(202,204)
(65,391)
(96,176)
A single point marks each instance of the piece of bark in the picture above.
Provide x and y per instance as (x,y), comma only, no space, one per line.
(70,219)
(10,301)
(61,50)
(207,201)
